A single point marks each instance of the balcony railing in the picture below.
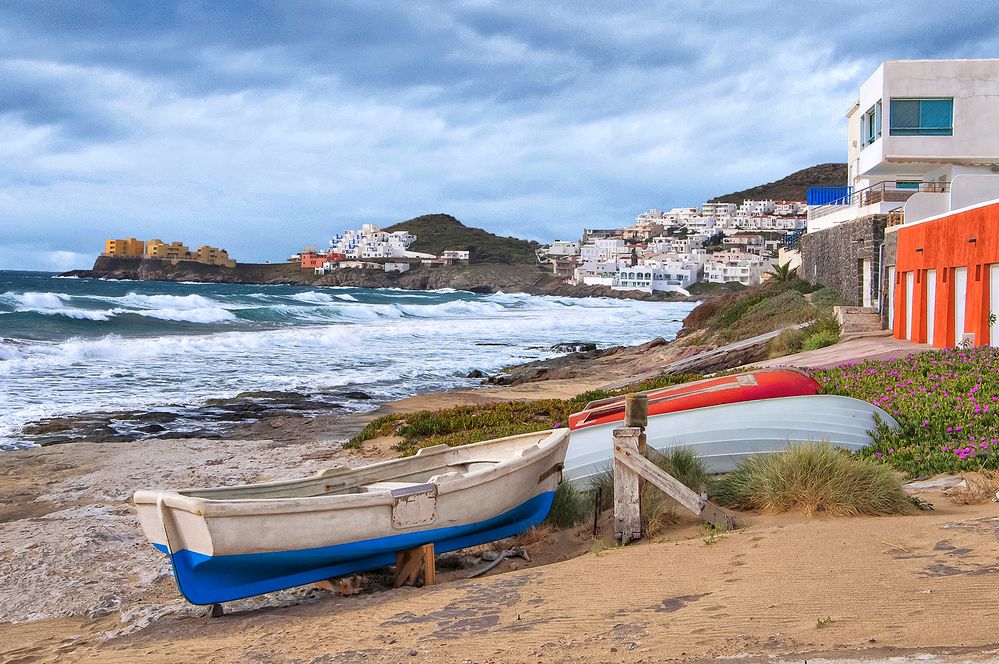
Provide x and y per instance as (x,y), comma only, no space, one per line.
(882,192)
(828,195)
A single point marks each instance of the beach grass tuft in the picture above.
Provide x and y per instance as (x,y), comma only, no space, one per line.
(462,425)
(811,478)
(570,507)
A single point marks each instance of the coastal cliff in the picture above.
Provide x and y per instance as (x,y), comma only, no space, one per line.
(477,277)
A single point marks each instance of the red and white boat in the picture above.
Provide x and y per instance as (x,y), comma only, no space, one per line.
(726,419)
(761,384)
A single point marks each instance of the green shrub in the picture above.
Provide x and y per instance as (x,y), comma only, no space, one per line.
(788,342)
(569,507)
(811,478)
(825,298)
(824,323)
(820,340)
(470,424)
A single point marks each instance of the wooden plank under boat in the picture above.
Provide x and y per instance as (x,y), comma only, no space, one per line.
(750,386)
(725,434)
(233,542)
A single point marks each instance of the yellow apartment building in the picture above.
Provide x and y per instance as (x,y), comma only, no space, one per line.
(214,256)
(172,251)
(122,248)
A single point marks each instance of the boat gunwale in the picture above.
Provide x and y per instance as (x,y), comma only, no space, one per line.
(239,507)
(680,387)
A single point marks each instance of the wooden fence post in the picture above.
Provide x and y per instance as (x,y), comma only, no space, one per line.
(627,509)
(636,414)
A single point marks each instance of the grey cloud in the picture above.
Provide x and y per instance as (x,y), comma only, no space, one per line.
(261,126)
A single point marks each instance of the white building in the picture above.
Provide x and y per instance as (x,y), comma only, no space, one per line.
(391,266)
(603,250)
(372,242)
(562,248)
(718,210)
(735,265)
(921,139)
(458,256)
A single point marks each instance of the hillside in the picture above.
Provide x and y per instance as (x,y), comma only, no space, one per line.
(792,187)
(438,232)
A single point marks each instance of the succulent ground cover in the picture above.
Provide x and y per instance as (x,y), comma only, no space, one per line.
(946,401)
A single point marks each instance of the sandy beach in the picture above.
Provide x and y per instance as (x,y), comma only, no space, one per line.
(81,583)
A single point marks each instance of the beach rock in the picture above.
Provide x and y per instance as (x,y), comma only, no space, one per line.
(573,347)
(475,373)
(356,395)
(655,343)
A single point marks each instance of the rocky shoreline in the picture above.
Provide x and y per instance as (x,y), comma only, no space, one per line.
(485,278)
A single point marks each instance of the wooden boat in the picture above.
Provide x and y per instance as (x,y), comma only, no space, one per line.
(725,434)
(234,542)
(760,384)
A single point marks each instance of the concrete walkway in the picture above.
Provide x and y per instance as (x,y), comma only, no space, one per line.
(851,350)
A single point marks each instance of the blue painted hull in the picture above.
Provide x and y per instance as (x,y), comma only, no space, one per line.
(211,579)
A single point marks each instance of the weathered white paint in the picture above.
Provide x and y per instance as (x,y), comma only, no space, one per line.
(910,287)
(931,303)
(437,487)
(960,297)
(866,281)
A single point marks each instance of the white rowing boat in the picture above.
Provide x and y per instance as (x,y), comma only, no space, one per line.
(725,434)
(233,542)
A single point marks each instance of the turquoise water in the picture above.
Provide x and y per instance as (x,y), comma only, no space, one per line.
(72,346)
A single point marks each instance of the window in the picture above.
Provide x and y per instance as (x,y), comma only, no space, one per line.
(907,184)
(870,125)
(922,117)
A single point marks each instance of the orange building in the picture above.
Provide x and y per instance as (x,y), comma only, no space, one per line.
(946,278)
(311,259)
(130,247)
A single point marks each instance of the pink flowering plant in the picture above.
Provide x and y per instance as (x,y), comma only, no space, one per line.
(946,401)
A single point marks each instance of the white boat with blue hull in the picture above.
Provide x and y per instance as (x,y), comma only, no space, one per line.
(233,542)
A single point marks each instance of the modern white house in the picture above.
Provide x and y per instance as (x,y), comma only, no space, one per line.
(922,140)
(736,265)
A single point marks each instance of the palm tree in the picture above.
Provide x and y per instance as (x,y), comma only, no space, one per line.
(782,272)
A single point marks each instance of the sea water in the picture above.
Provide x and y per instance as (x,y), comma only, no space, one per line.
(74,346)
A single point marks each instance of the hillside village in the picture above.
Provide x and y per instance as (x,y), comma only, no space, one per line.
(672,250)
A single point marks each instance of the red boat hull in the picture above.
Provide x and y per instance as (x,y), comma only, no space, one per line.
(762,384)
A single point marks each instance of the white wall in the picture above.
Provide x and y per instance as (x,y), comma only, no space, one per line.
(968,190)
(924,204)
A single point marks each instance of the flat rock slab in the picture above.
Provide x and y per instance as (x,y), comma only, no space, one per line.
(945,482)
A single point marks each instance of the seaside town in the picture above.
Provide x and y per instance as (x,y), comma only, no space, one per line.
(763,428)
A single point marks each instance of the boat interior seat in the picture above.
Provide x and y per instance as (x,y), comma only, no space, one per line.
(390,486)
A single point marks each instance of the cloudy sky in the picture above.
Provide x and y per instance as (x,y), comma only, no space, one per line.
(261,127)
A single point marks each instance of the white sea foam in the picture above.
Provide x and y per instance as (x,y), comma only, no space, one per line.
(205,315)
(174,302)
(403,343)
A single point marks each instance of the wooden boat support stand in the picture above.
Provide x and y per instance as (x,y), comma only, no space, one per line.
(631,467)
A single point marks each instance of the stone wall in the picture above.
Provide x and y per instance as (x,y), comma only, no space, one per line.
(833,257)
